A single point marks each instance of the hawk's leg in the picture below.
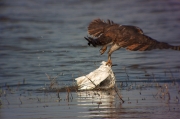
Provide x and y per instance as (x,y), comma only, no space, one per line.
(109,62)
(113,48)
(103,49)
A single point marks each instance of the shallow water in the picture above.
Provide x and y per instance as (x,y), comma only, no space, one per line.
(143,100)
(46,37)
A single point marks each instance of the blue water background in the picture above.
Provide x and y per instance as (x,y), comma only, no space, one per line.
(39,37)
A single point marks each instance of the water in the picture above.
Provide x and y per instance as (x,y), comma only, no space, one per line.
(46,37)
(142,100)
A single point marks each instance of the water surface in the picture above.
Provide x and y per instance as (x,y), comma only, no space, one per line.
(47,37)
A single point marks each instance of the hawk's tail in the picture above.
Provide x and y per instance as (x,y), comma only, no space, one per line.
(147,43)
(175,47)
(163,45)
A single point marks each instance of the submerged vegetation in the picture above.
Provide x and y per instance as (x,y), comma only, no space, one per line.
(125,93)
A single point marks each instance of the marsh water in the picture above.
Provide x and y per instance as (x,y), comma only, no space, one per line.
(46,37)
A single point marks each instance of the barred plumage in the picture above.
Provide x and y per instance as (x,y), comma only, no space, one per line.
(125,36)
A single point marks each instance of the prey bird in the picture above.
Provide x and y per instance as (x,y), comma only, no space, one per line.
(121,36)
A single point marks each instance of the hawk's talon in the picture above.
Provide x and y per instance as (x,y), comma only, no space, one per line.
(109,63)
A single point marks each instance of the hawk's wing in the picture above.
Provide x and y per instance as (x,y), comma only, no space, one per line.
(129,37)
(102,31)
(98,27)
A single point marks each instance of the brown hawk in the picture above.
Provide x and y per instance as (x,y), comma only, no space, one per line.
(125,36)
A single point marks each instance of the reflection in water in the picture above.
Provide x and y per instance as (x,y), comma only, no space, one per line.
(99,103)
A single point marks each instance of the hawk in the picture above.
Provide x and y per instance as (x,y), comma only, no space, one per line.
(121,36)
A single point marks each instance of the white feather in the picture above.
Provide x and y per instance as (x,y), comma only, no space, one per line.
(92,80)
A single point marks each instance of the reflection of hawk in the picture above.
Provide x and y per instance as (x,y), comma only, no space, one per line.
(129,37)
